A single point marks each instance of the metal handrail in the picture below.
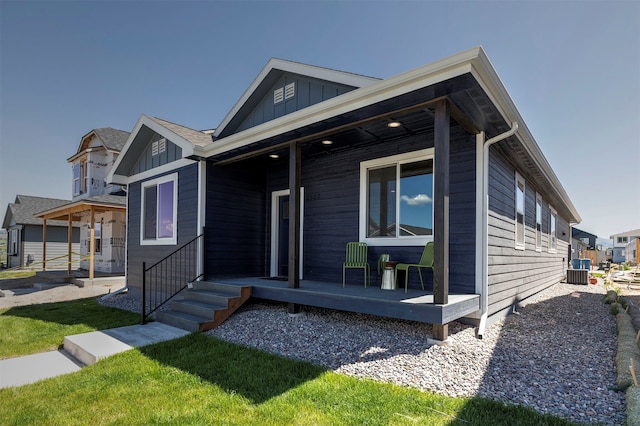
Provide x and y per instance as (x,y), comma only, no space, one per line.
(170,275)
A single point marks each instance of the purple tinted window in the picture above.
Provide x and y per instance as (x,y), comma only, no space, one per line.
(150,212)
(165,210)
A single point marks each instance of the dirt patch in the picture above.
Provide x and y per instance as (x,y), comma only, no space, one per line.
(21,292)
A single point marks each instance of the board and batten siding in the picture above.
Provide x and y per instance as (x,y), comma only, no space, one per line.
(307,91)
(187,224)
(235,220)
(513,274)
(148,160)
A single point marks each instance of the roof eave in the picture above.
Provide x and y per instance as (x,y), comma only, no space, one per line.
(426,75)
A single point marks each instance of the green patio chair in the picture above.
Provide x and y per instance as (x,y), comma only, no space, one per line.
(426,261)
(356,257)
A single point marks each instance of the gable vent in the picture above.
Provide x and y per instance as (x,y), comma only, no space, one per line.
(158,147)
(278,95)
(289,90)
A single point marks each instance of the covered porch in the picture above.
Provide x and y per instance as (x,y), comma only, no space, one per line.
(415,305)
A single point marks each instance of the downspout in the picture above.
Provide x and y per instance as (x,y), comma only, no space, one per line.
(484,298)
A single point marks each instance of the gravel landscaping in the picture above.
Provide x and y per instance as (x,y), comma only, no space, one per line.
(556,355)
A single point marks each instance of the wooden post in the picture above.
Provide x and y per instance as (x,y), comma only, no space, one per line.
(294,220)
(92,244)
(69,244)
(441,214)
(44,244)
(441,205)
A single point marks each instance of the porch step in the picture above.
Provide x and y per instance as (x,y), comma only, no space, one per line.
(205,306)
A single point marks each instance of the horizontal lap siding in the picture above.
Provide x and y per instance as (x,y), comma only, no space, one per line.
(235,239)
(514,275)
(187,224)
(57,255)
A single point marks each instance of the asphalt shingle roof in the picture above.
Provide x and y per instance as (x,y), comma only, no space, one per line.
(113,139)
(196,137)
(26,206)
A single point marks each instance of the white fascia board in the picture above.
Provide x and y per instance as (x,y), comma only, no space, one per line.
(295,68)
(418,78)
(144,120)
(488,79)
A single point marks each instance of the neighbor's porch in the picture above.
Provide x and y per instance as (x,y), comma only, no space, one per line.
(415,305)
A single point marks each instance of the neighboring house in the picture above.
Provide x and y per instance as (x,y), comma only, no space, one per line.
(311,158)
(583,246)
(25,234)
(98,207)
(632,252)
(620,242)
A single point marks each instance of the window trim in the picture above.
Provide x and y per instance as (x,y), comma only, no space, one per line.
(365,166)
(173,177)
(553,231)
(539,202)
(12,243)
(520,245)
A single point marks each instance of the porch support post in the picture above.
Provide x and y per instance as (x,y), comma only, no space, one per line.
(69,243)
(294,221)
(441,213)
(44,244)
(92,243)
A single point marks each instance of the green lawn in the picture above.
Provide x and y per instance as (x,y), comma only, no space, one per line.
(201,380)
(40,328)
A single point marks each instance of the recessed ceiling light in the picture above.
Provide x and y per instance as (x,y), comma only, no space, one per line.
(394,124)
(327,142)
(274,156)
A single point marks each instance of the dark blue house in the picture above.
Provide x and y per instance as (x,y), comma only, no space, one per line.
(311,158)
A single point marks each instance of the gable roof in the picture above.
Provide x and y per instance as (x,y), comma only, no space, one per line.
(188,139)
(467,78)
(276,67)
(23,211)
(98,203)
(112,139)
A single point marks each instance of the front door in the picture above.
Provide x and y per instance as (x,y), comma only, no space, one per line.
(280,232)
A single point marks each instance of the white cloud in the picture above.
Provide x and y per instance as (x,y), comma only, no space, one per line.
(417,200)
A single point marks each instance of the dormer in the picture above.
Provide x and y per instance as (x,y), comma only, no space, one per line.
(92,162)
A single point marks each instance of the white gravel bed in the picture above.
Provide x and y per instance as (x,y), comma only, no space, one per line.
(556,355)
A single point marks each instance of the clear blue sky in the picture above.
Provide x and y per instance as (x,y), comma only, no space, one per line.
(66,67)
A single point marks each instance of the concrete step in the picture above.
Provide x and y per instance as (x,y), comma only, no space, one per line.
(89,348)
(217,288)
(207,297)
(182,320)
(196,308)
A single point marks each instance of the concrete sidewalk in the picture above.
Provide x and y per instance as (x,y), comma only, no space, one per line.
(83,349)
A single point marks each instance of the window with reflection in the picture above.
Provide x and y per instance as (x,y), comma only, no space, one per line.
(399,197)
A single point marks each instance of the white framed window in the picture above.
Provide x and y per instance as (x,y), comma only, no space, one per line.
(553,240)
(519,213)
(12,246)
(158,221)
(538,222)
(622,240)
(79,177)
(396,199)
